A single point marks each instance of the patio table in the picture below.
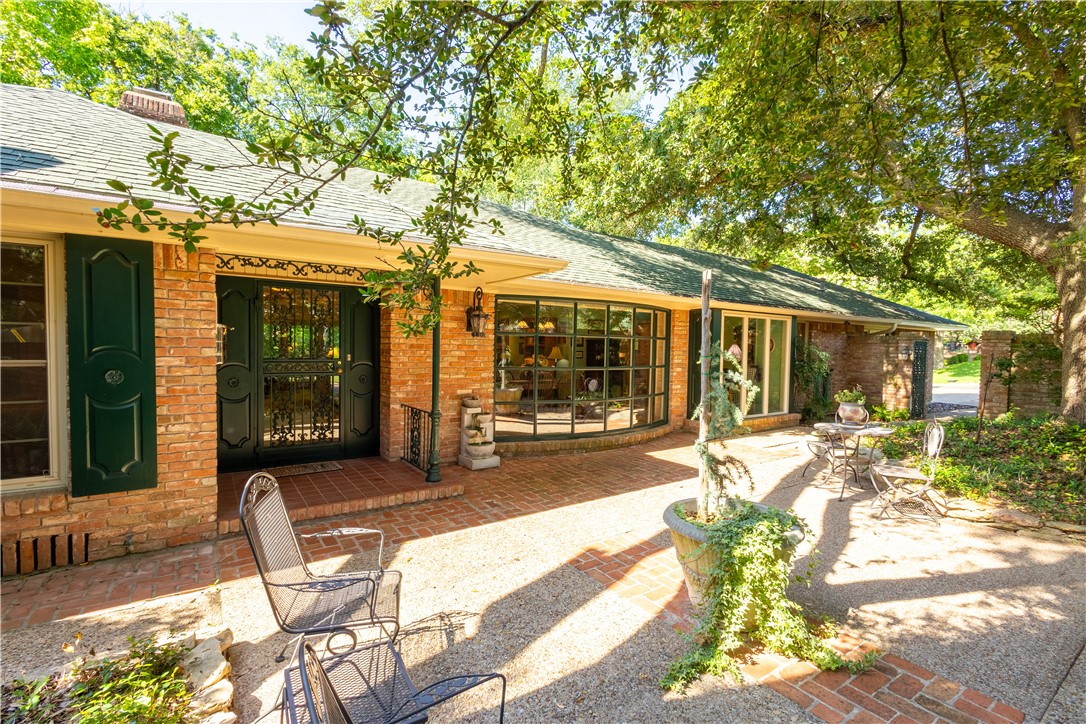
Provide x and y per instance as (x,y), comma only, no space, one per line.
(847,439)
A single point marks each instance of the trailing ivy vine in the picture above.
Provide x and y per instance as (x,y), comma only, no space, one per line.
(746,597)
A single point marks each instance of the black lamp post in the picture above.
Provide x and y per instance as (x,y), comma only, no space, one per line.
(477,318)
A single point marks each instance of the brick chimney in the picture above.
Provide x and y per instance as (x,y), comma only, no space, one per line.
(153,105)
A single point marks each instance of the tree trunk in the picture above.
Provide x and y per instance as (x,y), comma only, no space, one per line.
(703,418)
(1070,278)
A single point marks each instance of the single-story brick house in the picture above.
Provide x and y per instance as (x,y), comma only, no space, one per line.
(134,373)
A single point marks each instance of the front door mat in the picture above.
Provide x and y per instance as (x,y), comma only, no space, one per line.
(285,471)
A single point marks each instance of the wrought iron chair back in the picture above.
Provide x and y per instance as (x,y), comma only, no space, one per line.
(271,537)
(908,490)
(368,684)
(304,602)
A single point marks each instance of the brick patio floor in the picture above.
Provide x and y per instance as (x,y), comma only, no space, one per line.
(640,571)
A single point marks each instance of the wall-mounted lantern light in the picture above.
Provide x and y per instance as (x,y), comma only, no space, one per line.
(906,353)
(477,318)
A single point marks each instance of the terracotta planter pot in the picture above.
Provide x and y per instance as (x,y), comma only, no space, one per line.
(688,537)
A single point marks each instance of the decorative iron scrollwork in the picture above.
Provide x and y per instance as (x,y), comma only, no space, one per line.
(234,262)
(113,377)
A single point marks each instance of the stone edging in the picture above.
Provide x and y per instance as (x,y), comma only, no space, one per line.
(1023,524)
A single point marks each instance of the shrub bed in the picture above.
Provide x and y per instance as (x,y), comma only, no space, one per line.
(1037,464)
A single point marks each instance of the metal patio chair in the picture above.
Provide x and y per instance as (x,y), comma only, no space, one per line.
(367,684)
(306,603)
(908,490)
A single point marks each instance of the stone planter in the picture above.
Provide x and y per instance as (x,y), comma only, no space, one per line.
(852,413)
(688,537)
(480,450)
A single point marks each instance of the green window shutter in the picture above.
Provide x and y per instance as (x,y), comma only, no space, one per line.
(111,365)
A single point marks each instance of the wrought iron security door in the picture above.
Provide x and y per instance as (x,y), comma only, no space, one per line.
(298,379)
(917,408)
(301,366)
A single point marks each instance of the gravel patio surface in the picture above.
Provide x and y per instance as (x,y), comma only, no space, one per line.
(489,586)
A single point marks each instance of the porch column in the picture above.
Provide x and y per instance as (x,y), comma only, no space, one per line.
(433,475)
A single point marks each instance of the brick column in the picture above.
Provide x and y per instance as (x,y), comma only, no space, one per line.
(994,345)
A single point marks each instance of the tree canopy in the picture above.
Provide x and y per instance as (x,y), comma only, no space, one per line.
(796,128)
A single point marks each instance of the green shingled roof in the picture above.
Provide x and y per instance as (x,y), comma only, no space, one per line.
(55,142)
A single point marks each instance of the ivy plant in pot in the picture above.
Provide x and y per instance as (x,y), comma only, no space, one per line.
(736,554)
(850,406)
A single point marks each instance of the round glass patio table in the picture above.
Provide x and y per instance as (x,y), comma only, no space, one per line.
(849,444)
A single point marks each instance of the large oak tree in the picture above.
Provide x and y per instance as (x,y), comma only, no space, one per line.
(794,125)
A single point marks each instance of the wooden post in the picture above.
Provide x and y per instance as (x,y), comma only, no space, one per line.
(703,418)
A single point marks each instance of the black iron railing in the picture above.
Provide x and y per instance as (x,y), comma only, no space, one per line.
(416,437)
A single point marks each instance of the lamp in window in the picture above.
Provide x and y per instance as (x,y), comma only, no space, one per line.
(735,351)
(477,318)
(557,358)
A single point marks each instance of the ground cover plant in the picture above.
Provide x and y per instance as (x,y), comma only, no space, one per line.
(1037,465)
(967,371)
(145,687)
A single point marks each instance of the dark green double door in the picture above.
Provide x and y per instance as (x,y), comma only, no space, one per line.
(298,380)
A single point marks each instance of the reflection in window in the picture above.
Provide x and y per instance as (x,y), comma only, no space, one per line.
(566,368)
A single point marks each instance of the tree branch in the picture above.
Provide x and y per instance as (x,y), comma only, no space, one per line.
(961,98)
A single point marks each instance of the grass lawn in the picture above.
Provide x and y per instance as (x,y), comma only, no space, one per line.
(961,372)
(1036,465)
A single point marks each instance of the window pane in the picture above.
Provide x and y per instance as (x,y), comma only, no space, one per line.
(661,352)
(591,319)
(618,415)
(555,384)
(641,379)
(621,320)
(555,318)
(620,353)
(554,420)
(589,416)
(731,341)
(661,324)
(640,411)
(643,352)
(595,354)
(515,316)
(555,352)
(756,333)
(776,366)
(618,383)
(22,302)
(589,384)
(514,420)
(657,408)
(643,323)
(24,388)
(660,381)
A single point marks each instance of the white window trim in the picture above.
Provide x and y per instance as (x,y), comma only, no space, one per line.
(56,366)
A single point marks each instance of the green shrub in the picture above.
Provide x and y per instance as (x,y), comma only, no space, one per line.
(885,414)
(957,359)
(1037,464)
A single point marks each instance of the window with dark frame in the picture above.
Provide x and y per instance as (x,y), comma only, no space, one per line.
(567,368)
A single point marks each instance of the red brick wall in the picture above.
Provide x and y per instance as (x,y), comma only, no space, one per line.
(874,362)
(467,367)
(831,338)
(1031,394)
(182,508)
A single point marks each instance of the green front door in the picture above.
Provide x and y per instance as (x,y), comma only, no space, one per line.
(299,375)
